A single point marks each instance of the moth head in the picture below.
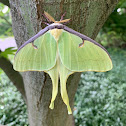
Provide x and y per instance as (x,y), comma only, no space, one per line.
(51,19)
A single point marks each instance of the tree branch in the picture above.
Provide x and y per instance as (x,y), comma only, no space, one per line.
(13,75)
(5,2)
(2,17)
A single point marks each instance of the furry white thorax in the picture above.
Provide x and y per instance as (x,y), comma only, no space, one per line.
(56,32)
(56,23)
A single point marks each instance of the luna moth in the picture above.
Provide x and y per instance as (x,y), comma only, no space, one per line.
(61,51)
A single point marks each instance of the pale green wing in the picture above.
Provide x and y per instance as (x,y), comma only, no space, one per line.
(89,57)
(43,58)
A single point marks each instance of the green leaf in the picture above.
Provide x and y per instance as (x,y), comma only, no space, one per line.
(8,51)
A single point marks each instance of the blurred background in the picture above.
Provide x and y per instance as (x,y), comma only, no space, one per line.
(101,97)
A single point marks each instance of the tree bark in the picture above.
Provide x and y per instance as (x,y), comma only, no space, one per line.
(4,18)
(87,17)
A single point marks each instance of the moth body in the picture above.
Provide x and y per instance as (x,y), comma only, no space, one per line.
(55,50)
(56,33)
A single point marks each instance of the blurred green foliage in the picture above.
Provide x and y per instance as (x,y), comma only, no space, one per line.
(5,21)
(7,52)
(6,29)
(113,33)
(12,107)
(101,97)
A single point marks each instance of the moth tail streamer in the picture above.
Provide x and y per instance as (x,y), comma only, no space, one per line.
(64,73)
(59,70)
(53,73)
(54,93)
(65,95)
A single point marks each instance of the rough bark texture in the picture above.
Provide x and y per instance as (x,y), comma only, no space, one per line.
(87,17)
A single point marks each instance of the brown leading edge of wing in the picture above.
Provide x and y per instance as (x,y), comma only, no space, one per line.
(41,32)
(83,37)
(60,26)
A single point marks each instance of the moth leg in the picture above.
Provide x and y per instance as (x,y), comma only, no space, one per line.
(35,47)
(47,18)
(62,16)
(46,23)
(82,44)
